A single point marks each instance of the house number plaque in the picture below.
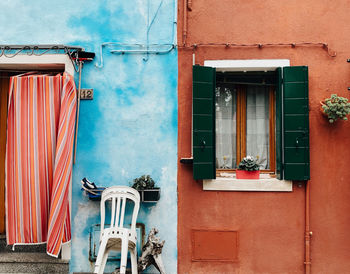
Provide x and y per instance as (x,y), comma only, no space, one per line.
(86,94)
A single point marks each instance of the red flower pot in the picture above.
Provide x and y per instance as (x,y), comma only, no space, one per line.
(244,174)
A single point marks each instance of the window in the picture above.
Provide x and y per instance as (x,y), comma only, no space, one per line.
(233,117)
(245,119)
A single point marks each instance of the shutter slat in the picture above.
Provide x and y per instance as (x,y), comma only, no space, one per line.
(203,123)
(296,152)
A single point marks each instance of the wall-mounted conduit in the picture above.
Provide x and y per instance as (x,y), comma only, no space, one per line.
(140,48)
(11,51)
(229,45)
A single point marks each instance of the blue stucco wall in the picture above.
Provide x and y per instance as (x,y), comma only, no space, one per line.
(130,128)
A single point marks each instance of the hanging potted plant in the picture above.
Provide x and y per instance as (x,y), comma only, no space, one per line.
(248,168)
(335,108)
(146,187)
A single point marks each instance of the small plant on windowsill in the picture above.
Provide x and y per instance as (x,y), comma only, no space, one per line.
(248,168)
(336,108)
(145,185)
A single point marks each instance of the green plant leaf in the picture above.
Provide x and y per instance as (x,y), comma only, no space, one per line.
(336,107)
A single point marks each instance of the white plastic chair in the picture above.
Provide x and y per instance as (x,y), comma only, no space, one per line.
(117,236)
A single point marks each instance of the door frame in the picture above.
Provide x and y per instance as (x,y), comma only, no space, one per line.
(46,61)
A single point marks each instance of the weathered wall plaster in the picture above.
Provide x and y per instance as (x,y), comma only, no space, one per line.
(271,225)
(130,128)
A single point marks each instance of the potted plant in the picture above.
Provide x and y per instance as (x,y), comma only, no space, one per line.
(146,187)
(335,108)
(248,168)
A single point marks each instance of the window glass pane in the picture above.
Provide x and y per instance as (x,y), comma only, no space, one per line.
(225,106)
(257,139)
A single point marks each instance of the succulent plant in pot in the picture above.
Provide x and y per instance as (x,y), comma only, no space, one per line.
(145,185)
(248,168)
(336,108)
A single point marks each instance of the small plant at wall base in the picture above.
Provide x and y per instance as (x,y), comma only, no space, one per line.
(336,108)
(145,185)
(248,168)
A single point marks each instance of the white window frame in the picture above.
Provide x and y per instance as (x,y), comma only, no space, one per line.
(233,184)
(46,61)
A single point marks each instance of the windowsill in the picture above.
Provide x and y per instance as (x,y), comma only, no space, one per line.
(265,183)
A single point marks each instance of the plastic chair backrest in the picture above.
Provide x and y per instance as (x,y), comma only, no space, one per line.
(118,195)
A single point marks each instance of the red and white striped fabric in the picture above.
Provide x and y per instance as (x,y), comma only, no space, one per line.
(40,134)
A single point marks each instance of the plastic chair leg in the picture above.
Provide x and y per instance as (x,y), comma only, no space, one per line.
(98,265)
(133,256)
(104,260)
(124,255)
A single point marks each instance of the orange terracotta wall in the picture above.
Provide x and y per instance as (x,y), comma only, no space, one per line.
(271,225)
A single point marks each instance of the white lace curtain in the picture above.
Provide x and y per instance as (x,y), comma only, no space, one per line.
(257,134)
(225,127)
(257,143)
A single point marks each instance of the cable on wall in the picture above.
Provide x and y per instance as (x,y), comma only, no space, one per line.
(324,46)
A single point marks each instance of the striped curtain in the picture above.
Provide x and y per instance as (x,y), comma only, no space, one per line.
(40,134)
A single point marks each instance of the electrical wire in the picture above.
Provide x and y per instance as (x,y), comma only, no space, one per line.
(325,46)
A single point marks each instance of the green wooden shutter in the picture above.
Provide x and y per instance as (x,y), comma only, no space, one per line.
(295,109)
(203,124)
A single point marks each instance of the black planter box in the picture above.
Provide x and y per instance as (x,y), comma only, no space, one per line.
(150,195)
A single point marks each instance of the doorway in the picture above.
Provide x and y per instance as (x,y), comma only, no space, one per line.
(4,87)
(13,66)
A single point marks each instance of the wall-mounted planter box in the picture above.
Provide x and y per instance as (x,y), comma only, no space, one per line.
(150,195)
(244,174)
